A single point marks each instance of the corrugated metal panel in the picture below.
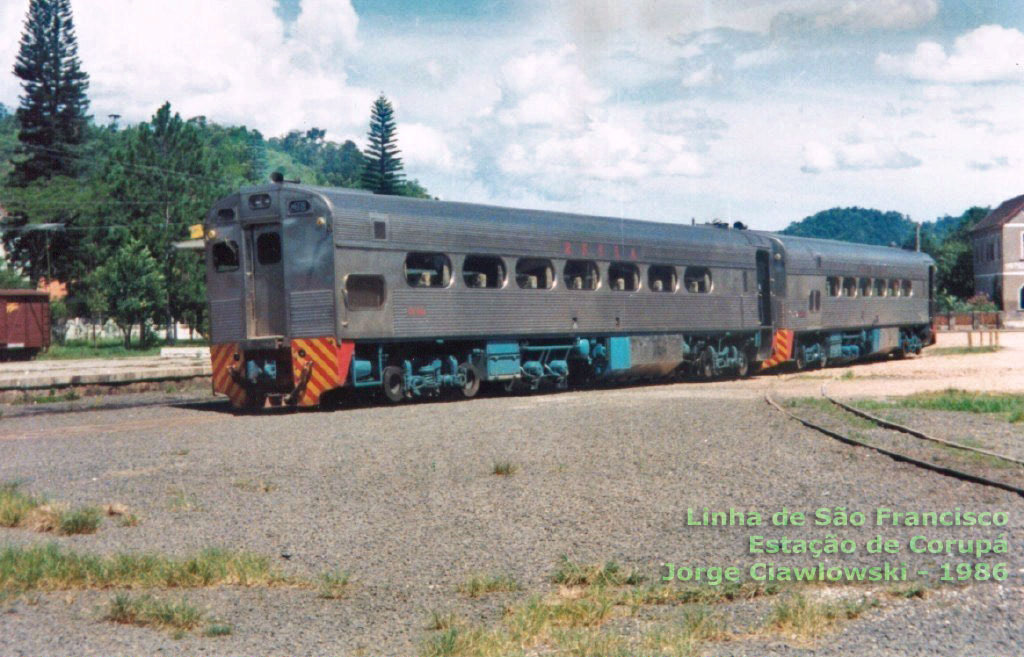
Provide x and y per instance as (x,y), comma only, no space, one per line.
(311,313)
(227,321)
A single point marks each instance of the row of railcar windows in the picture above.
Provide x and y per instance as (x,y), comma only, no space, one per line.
(434,270)
(849,286)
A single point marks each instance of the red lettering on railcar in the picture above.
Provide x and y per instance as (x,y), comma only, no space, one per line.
(416,311)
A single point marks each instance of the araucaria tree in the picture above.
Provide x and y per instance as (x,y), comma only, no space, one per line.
(52,115)
(383,172)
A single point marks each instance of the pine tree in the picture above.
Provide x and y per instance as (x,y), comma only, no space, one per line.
(52,115)
(383,171)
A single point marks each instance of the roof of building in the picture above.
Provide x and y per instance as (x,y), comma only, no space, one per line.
(1004,213)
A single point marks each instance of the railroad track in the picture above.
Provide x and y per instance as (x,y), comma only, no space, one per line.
(903,456)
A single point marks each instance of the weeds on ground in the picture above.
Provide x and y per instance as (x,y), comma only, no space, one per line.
(478,585)
(51,568)
(251,486)
(504,468)
(801,618)
(1009,405)
(958,351)
(571,573)
(19,509)
(443,620)
(825,406)
(217,629)
(145,610)
(333,584)
(184,502)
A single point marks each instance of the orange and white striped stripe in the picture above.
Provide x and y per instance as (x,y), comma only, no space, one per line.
(330,360)
(222,359)
(782,349)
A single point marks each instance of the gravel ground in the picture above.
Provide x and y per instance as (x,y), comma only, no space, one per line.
(403,497)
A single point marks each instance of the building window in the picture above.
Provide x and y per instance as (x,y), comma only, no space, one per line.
(663,278)
(990,251)
(427,270)
(697,279)
(624,276)
(832,286)
(535,274)
(363,292)
(483,272)
(225,256)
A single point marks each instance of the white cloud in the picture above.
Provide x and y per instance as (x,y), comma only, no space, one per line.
(547,88)
(858,15)
(995,162)
(986,54)
(865,147)
(425,147)
(701,77)
(230,61)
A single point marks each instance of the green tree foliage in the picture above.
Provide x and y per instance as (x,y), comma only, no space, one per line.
(10,279)
(383,170)
(948,241)
(131,286)
(324,162)
(52,116)
(861,225)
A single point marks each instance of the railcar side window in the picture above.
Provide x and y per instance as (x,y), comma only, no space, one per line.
(817,300)
(849,286)
(663,278)
(864,284)
(623,276)
(880,289)
(483,272)
(427,270)
(894,287)
(581,275)
(697,279)
(832,285)
(225,256)
(908,288)
(535,274)
(364,292)
(268,249)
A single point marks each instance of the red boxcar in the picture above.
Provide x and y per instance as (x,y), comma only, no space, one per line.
(24,323)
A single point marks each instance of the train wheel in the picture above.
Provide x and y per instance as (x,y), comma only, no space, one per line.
(743,365)
(394,384)
(472,385)
(707,364)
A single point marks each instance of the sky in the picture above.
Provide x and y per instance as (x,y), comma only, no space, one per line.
(761,111)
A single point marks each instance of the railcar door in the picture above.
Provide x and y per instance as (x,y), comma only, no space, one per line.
(266,280)
(764,288)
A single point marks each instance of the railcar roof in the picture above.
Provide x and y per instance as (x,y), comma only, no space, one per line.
(835,250)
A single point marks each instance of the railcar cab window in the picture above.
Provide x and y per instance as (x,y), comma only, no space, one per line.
(864,285)
(480,271)
(623,276)
(427,270)
(225,256)
(535,274)
(581,275)
(364,292)
(908,288)
(663,278)
(849,286)
(697,279)
(832,286)
(880,289)
(268,249)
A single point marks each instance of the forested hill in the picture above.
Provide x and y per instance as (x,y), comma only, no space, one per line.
(862,225)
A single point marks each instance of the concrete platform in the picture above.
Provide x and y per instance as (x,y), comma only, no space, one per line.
(43,374)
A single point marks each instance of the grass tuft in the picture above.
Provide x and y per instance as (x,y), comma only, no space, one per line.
(963,401)
(571,573)
(217,629)
(184,502)
(251,486)
(504,468)
(85,520)
(333,584)
(799,617)
(478,585)
(146,611)
(15,504)
(19,509)
(51,568)
(443,620)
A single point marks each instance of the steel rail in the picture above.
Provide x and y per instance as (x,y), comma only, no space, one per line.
(913,432)
(896,456)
